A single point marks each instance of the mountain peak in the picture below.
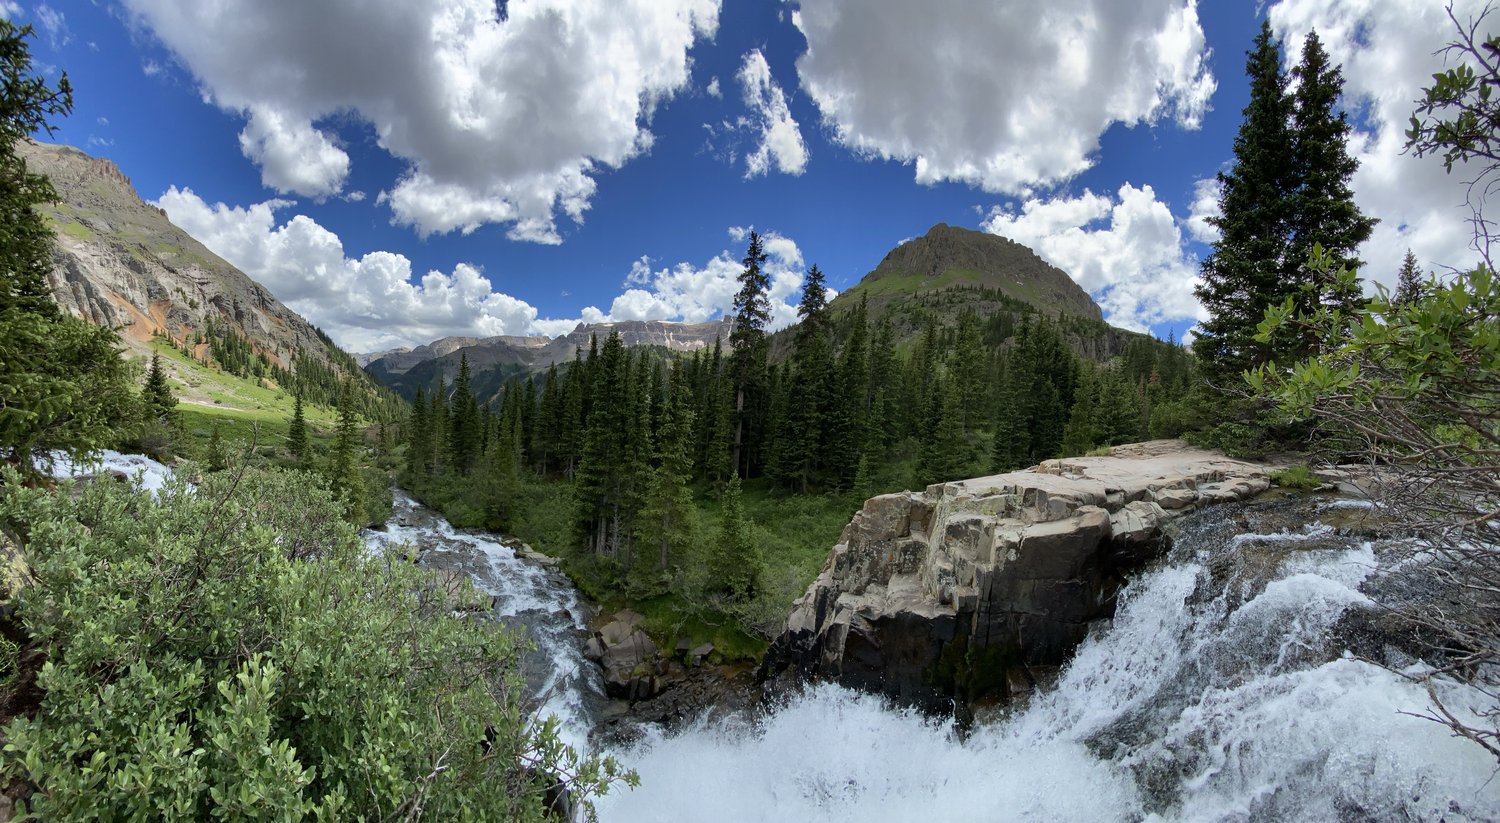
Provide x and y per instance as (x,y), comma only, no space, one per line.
(948,257)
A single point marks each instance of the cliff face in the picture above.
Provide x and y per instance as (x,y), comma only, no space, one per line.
(956,593)
(120,262)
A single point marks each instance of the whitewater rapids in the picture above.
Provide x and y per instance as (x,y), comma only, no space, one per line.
(1212,696)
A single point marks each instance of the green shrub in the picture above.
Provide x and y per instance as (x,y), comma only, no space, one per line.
(237,652)
(1295,477)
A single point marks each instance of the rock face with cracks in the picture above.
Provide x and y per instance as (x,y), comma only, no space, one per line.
(955,595)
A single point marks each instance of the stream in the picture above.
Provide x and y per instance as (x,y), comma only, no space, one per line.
(1233,684)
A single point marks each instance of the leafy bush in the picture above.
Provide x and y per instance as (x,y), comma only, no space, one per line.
(1295,477)
(237,652)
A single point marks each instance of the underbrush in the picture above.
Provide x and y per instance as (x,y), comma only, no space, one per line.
(237,651)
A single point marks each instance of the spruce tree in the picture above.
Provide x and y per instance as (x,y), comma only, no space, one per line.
(1323,208)
(296,435)
(607,486)
(62,383)
(1288,192)
(463,426)
(810,395)
(345,475)
(1408,282)
(752,314)
(737,564)
(1245,272)
(849,402)
(665,526)
(419,436)
(156,396)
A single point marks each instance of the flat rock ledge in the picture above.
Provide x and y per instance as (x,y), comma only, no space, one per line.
(965,593)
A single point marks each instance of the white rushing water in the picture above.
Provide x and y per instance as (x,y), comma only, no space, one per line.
(137,467)
(1221,691)
(1213,696)
(527,595)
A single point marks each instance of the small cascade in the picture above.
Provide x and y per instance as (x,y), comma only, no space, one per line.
(1223,690)
(528,595)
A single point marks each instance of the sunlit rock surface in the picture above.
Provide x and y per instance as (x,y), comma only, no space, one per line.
(957,593)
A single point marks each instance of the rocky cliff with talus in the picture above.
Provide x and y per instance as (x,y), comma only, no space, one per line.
(120,263)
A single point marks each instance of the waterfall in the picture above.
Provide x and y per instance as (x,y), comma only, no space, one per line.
(1220,692)
(1226,688)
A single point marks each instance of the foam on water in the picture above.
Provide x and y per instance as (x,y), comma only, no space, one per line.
(1207,699)
(527,596)
(140,468)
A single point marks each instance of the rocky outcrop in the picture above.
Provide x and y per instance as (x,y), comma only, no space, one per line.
(632,663)
(959,592)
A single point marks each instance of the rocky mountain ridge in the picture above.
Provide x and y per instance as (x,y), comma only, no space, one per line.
(119,262)
(496,358)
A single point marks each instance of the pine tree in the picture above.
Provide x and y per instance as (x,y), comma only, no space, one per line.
(1288,192)
(1080,435)
(345,476)
(610,470)
(1245,272)
(737,566)
(848,401)
(945,451)
(752,313)
(156,396)
(1408,282)
(809,396)
(213,451)
(1323,208)
(463,426)
(666,520)
(296,435)
(62,383)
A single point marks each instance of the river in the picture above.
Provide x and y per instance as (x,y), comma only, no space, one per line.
(1221,691)
(1227,688)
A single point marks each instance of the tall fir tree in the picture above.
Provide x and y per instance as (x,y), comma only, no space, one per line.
(345,473)
(1408,281)
(62,382)
(1323,209)
(1288,192)
(737,565)
(296,431)
(464,433)
(159,403)
(665,528)
(752,313)
(1244,273)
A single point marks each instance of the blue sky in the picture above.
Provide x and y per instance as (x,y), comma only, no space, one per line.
(402,172)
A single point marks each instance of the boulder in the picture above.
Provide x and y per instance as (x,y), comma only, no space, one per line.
(947,595)
(631,661)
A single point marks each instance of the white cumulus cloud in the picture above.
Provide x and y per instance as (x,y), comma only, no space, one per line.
(364,304)
(999,94)
(1127,251)
(699,292)
(778,137)
(499,120)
